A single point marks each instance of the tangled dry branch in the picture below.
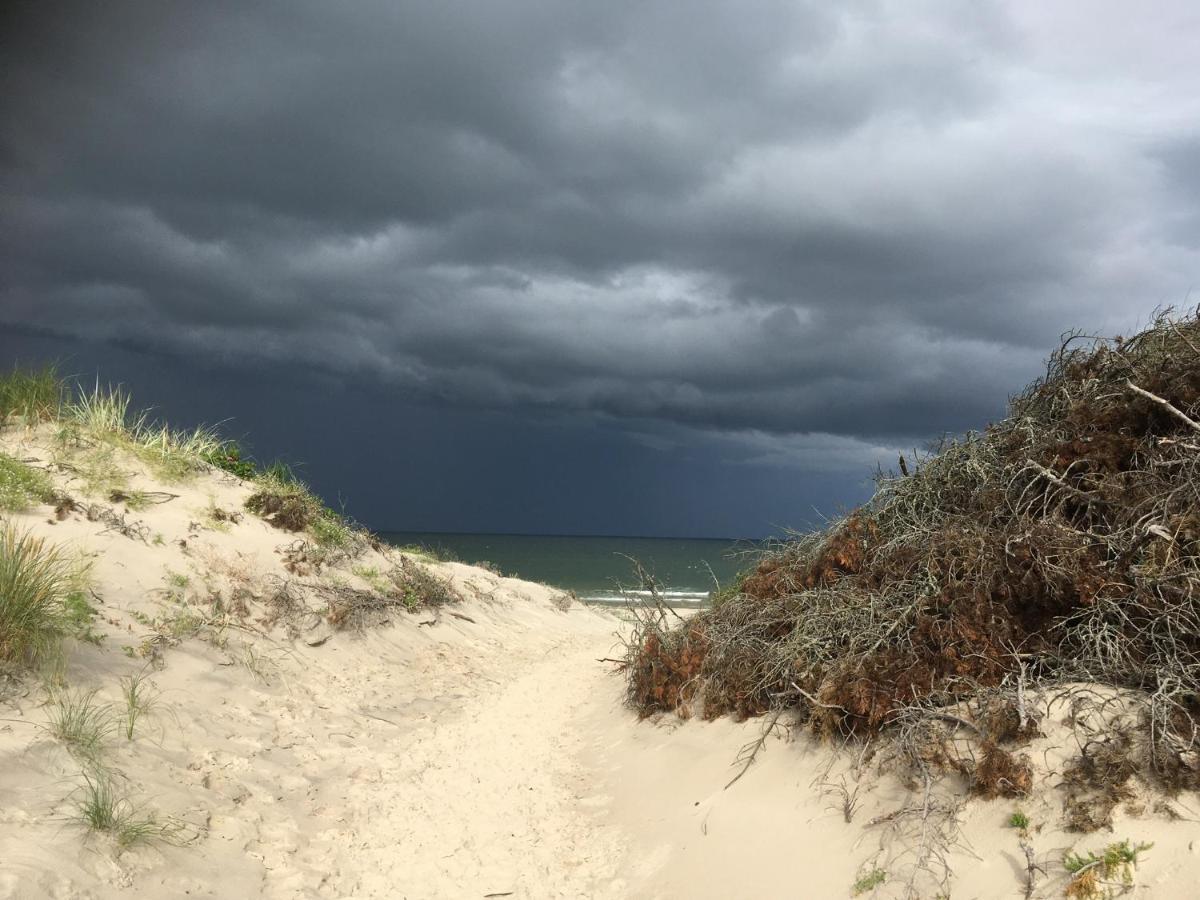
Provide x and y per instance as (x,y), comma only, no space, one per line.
(1062,543)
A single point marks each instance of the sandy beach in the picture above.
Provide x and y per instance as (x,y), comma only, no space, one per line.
(480,749)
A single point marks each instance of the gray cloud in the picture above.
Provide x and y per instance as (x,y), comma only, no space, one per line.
(865,223)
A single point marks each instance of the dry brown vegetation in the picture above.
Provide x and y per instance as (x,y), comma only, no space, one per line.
(1061,544)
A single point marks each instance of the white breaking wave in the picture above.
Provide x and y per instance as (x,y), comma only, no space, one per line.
(680,598)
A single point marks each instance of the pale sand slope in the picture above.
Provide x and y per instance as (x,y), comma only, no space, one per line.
(455,759)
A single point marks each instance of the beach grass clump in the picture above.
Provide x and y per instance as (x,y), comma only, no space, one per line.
(32,395)
(103,808)
(104,414)
(22,486)
(80,721)
(1062,543)
(37,582)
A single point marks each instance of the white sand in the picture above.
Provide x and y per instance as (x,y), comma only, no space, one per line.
(459,759)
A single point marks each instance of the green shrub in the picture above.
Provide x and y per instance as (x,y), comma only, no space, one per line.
(22,486)
(35,582)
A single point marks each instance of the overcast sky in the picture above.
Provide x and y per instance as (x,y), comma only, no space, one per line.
(641,267)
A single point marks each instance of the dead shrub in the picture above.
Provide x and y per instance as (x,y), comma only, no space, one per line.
(1061,543)
(1000,773)
(411,586)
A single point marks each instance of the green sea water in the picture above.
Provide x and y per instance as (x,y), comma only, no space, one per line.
(597,568)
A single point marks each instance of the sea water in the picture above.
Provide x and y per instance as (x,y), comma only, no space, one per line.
(599,569)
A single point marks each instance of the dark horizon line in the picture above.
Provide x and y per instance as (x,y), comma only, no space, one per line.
(644,537)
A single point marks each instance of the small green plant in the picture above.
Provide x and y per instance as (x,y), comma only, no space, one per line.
(103,809)
(330,531)
(869,882)
(1019,820)
(22,486)
(372,576)
(229,457)
(80,722)
(35,581)
(79,616)
(140,696)
(1088,873)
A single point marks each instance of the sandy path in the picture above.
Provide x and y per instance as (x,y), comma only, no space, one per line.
(489,796)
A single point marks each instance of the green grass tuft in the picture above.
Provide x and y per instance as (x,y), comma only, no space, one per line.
(35,583)
(80,722)
(103,809)
(1019,821)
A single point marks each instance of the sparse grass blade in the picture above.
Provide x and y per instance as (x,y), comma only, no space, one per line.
(140,696)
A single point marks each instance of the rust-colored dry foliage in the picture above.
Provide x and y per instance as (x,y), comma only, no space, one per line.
(1097,780)
(1062,542)
(999,773)
(667,666)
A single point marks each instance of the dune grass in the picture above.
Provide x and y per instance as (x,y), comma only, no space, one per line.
(96,425)
(103,808)
(36,582)
(104,413)
(80,721)
(32,395)
(140,697)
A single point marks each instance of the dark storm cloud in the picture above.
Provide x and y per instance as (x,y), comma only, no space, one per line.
(862,223)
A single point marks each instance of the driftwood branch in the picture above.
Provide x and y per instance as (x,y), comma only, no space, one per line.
(1165,404)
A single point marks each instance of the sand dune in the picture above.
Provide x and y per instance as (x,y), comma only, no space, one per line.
(473,751)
